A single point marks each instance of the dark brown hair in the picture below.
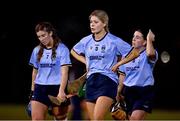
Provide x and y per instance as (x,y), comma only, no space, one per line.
(48,27)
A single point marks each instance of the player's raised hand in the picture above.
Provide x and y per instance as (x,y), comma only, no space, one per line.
(150,36)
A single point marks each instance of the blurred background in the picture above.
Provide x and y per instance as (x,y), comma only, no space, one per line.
(18,38)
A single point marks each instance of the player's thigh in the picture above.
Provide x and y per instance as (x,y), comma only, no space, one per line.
(102,106)
(38,109)
(90,109)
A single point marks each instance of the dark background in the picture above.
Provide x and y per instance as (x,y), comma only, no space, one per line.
(17,22)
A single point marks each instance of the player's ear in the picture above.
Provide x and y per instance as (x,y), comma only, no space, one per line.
(50,33)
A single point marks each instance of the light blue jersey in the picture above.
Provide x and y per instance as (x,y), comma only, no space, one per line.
(102,55)
(139,72)
(49,71)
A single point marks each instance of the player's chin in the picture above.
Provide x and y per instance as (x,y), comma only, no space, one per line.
(93,31)
(134,46)
(44,43)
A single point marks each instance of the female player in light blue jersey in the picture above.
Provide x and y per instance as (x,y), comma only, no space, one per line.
(136,77)
(50,61)
(99,51)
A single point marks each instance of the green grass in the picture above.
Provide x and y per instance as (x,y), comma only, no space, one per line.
(17,112)
(14,112)
(166,114)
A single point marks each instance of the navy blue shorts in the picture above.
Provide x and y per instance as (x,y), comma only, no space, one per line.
(138,98)
(41,93)
(100,85)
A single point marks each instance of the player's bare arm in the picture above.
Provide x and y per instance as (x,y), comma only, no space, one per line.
(132,55)
(64,73)
(149,46)
(34,73)
(78,57)
(120,86)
